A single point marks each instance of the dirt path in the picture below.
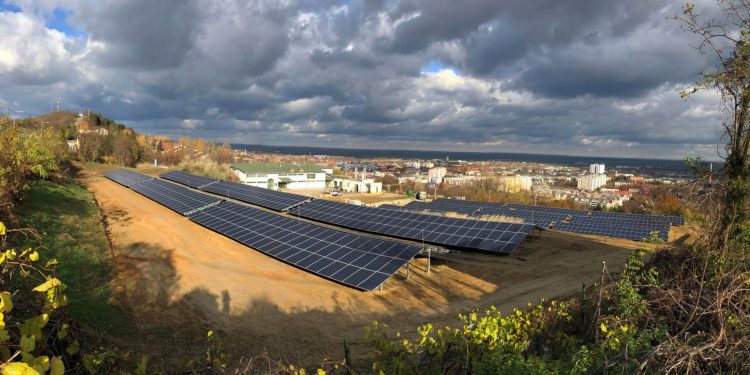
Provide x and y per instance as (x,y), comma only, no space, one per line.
(178,274)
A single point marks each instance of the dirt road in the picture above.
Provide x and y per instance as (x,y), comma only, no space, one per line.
(175,273)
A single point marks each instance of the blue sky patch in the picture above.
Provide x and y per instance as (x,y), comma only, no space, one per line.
(6,6)
(59,21)
(436,65)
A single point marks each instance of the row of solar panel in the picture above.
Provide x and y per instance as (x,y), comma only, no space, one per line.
(617,225)
(491,236)
(540,213)
(272,199)
(470,234)
(358,261)
(351,259)
(488,208)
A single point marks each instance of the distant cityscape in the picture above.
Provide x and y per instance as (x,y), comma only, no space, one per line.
(595,185)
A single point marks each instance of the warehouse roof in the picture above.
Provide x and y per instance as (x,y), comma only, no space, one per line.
(276,168)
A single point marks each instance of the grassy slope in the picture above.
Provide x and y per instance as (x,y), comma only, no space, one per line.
(71,226)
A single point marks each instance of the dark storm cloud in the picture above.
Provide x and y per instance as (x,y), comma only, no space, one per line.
(438,20)
(142,34)
(577,77)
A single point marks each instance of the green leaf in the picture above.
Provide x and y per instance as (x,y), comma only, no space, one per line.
(49,284)
(18,368)
(33,326)
(63,331)
(6,304)
(40,364)
(73,348)
(27,344)
(58,368)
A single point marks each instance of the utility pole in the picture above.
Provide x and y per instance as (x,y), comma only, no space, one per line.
(40,126)
(14,117)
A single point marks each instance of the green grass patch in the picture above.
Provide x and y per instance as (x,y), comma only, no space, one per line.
(67,218)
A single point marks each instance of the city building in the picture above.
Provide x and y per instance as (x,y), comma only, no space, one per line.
(281,176)
(366,185)
(637,180)
(591,182)
(514,184)
(458,180)
(436,174)
(597,169)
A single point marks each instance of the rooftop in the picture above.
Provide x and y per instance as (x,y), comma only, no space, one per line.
(280,168)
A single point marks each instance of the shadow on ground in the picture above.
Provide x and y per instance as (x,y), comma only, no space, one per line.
(176,327)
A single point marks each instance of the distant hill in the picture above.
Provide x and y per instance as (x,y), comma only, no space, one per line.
(68,122)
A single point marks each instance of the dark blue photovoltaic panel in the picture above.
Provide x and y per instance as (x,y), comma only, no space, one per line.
(275,200)
(176,197)
(617,225)
(361,262)
(127,178)
(188,179)
(491,236)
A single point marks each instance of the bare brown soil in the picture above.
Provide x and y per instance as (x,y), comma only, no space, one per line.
(183,278)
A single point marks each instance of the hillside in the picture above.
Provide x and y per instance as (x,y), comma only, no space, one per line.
(66,122)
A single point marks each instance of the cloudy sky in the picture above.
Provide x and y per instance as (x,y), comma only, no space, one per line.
(584,77)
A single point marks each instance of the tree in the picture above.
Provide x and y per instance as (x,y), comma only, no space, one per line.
(125,149)
(223,154)
(90,147)
(729,40)
(23,157)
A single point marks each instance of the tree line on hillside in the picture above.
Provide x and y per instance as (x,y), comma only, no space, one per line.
(173,152)
(95,138)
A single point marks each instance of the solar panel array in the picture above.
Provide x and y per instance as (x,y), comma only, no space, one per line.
(178,198)
(617,225)
(126,177)
(489,236)
(358,261)
(188,179)
(275,200)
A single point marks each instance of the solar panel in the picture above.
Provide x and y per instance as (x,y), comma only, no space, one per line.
(491,236)
(175,197)
(127,178)
(188,179)
(617,225)
(358,261)
(275,200)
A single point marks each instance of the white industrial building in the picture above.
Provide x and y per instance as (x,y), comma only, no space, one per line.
(597,169)
(349,185)
(591,182)
(281,176)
